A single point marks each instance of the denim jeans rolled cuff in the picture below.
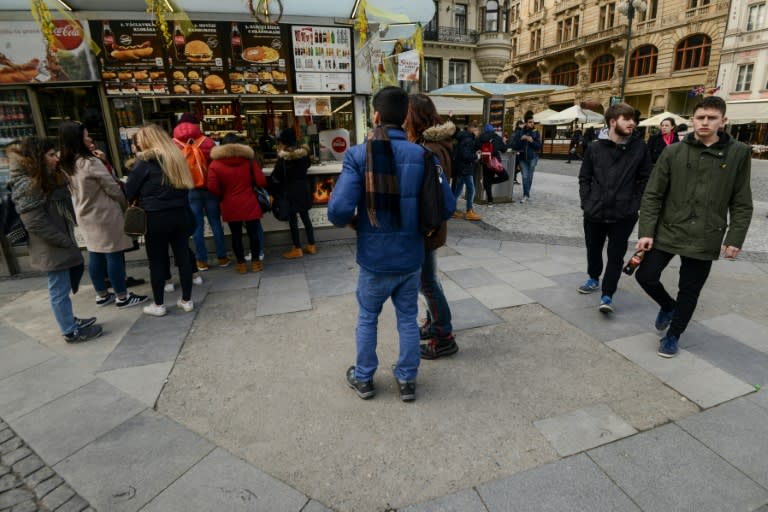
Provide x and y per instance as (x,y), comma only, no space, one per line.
(102,265)
(438,311)
(469,182)
(372,291)
(204,204)
(59,286)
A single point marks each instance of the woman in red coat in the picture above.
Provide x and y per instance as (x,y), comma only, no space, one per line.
(231,176)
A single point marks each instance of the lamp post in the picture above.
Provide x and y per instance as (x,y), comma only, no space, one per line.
(628,9)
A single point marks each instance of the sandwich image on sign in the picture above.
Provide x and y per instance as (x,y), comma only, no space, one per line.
(198,51)
(214,83)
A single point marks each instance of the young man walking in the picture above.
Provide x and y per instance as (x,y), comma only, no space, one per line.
(377,193)
(611,182)
(697,205)
(527,142)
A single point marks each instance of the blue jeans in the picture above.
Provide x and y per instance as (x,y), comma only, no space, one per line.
(203,204)
(112,264)
(469,181)
(59,286)
(438,312)
(372,291)
(528,167)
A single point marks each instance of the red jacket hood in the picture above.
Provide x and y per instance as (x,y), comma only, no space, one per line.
(186,131)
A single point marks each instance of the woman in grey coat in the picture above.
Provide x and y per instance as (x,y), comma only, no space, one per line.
(39,191)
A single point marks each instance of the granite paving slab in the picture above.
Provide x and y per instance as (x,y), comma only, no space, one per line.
(153,452)
(570,255)
(38,385)
(287,294)
(333,252)
(667,469)
(498,265)
(23,285)
(735,266)
(468,243)
(452,291)
(10,335)
(455,262)
(471,277)
(586,428)
(760,398)
(313,266)
(471,313)
(282,268)
(462,501)
(523,252)
(63,426)
(315,506)
(144,383)
(742,329)
(736,431)
(233,281)
(21,355)
(500,295)
(330,284)
(224,483)
(575,483)
(525,279)
(548,267)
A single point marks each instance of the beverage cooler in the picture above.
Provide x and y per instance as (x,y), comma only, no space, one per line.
(16,122)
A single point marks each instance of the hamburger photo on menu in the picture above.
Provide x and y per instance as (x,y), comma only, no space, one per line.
(198,51)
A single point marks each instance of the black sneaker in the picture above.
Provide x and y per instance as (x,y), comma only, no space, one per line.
(109,298)
(364,389)
(407,390)
(439,348)
(83,334)
(130,300)
(84,322)
(424,332)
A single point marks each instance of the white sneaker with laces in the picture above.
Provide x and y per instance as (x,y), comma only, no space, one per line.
(197,280)
(155,310)
(186,306)
(169,287)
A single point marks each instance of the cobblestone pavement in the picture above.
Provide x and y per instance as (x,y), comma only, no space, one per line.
(27,484)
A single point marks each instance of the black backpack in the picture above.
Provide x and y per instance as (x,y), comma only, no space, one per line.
(431,201)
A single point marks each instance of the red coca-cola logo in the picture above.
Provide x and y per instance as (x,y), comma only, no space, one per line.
(67,35)
(339,144)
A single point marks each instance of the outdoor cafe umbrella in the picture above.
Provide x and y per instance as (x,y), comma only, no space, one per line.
(658,118)
(574,113)
(539,117)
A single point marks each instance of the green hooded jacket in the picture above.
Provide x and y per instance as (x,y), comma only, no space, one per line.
(693,193)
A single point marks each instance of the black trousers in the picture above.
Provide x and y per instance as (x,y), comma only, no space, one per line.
(293,223)
(693,275)
(617,234)
(169,228)
(488,183)
(252,228)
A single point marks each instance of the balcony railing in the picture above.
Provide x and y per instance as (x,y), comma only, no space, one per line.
(588,39)
(451,35)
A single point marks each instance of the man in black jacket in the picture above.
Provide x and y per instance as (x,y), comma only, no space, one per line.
(613,175)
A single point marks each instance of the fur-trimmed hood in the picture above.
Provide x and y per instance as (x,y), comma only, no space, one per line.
(292,153)
(232,151)
(439,132)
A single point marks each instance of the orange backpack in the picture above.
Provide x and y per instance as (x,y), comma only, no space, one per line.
(195,159)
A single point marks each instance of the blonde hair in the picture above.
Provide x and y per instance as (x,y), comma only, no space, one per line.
(158,145)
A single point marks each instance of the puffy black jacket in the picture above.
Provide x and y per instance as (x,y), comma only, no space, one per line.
(146,183)
(612,179)
(656,145)
(464,154)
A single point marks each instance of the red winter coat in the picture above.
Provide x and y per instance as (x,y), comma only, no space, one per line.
(229,179)
(186,131)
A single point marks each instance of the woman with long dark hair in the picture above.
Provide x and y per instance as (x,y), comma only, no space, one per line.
(663,138)
(39,191)
(160,181)
(424,126)
(99,205)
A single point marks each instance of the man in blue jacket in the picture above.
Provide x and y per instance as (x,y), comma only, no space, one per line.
(527,142)
(377,193)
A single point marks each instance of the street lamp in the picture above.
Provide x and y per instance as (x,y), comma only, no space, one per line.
(628,9)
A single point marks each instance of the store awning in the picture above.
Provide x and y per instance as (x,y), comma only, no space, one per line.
(748,111)
(458,106)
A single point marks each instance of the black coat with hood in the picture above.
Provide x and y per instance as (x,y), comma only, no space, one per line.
(439,140)
(290,177)
(464,154)
(613,177)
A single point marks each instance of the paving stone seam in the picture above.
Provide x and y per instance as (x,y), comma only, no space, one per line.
(609,477)
(480,497)
(41,485)
(214,447)
(11,375)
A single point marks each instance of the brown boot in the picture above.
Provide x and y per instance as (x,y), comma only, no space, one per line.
(310,249)
(457,215)
(471,215)
(257,266)
(294,253)
(240,268)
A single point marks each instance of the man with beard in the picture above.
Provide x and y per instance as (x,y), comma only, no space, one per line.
(613,175)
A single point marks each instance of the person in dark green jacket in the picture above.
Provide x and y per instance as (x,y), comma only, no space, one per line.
(695,190)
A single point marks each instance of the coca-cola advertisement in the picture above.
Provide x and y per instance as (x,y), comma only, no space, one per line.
(196,60)
(26,57)
(132,57)
(258,59)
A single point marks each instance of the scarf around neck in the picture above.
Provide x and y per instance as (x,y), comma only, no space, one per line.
(382,190)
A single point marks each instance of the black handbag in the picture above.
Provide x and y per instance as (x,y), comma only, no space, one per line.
(135,221)
(265,201)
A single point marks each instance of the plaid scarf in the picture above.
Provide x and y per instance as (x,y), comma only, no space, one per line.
(382,190)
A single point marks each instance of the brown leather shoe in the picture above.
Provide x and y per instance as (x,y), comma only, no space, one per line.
(257,266)
(471,215)
(310,249)
(458,215)
(241,268)
(294,253)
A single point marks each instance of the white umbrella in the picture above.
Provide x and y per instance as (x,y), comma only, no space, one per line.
(574,113)
(658,118)
(539,117)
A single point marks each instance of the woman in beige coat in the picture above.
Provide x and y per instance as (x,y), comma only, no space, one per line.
(99,205)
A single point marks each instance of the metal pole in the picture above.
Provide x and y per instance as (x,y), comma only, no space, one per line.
(630,16)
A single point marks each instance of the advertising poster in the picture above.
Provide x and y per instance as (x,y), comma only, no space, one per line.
(26,57)
(408,65)
(257,59)
(312,105)
(322,58)
(196,59)
(131,58)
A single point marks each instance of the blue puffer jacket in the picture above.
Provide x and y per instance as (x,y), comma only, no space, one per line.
(388,248)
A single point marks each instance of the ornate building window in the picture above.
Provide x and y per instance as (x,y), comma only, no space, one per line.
(692,4)
(536,6)
(693,52)
(602,68)
(460,18)
(458,72)
(744,78)
(652,7)
(568,29)
(514,12)
(755,17)
(565,74)
(513,50)
(534,77)
(643,61)
(607,16)
(511,79)
(491,20)
(432,76)
(535,39)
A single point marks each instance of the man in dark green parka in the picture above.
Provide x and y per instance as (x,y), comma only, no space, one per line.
(695,190)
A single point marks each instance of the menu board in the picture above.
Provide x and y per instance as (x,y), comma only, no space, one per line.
(196,59)
(322,58)
(313,105)
(26,57)
(496,114)
(257,59)
(131,58)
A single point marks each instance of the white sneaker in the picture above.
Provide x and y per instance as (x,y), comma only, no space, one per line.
(186,306)
(261,256)
(155,310)
(525,199)
(169,287)
(197,280)
(248,257)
